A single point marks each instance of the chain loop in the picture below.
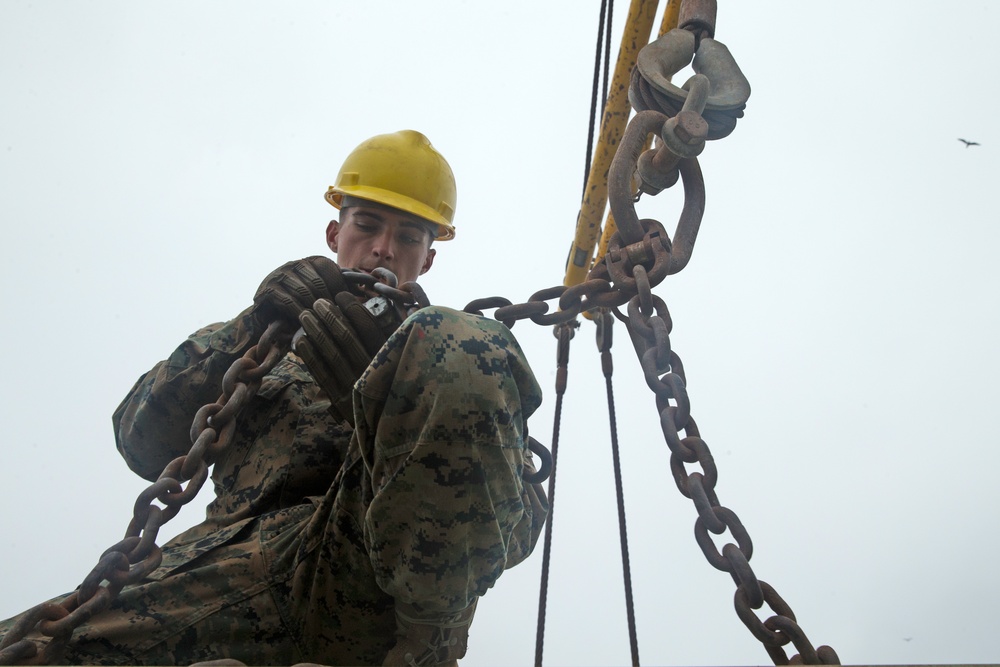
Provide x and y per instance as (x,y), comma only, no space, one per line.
(743,574)
(790,629)
(382,282)
(746,614)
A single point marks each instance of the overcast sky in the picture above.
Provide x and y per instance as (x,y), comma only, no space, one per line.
(838,320)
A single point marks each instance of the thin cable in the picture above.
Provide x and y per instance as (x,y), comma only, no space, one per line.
(607,52)
(593,93)
(565,333)
(604,344)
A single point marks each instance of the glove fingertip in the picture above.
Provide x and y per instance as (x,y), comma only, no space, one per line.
(302,346)
(330,273)
(345,300)
(323,305)
(308,318)
(314,329)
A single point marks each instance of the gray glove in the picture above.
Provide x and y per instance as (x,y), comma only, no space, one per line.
(339,339)
(429,639)
(295,286)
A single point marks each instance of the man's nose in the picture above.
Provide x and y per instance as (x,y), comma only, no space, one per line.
(383,245)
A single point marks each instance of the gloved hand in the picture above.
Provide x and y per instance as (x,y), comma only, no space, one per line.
(295,286)
(429,639)
(340,339)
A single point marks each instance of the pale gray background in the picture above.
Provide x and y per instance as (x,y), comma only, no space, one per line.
(838,320)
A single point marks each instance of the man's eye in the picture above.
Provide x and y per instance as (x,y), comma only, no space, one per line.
(410,239)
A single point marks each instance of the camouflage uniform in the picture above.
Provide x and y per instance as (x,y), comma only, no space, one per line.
(316,532)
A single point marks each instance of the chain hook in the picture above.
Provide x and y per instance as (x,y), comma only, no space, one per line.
(661,59)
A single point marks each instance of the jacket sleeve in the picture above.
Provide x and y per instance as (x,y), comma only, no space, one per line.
(153,423)
(440,417)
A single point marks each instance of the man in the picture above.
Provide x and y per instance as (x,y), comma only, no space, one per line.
(364,504)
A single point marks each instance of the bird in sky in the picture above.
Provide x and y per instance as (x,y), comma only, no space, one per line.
(969,143)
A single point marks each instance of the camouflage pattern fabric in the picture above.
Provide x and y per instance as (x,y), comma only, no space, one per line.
(316,533)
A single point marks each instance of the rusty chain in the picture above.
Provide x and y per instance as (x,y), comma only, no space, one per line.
(649,325)
(639,257)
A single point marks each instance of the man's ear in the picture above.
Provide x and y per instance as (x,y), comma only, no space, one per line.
(332,231)
(428,262)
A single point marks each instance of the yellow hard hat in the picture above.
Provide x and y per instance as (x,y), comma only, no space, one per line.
(404,171)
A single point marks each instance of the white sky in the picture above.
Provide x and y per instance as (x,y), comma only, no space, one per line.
(838,320)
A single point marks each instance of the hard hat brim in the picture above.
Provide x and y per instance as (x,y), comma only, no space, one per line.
(335,195)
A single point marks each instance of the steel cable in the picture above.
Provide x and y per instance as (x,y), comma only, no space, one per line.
(604,345)
(564,333)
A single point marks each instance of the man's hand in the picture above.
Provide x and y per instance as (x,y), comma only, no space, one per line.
(295,286)
(341,338)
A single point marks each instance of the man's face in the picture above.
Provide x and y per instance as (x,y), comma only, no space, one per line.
(368,237)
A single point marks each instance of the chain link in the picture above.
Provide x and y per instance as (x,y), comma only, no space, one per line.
(382,282)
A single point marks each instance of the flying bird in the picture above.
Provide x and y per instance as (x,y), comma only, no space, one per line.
(969,143)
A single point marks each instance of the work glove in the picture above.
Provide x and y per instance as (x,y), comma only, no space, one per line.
(294,287)
(338,340)
(429,639)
